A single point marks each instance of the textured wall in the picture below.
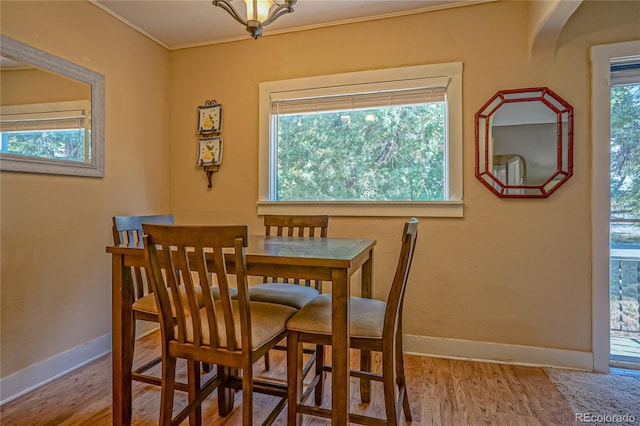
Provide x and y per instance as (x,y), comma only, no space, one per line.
(56,275)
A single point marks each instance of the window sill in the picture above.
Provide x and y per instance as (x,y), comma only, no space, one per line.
(364,208)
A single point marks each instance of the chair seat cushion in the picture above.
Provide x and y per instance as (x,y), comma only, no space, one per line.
(367,317)
(267,321)
(147,303)
(292,295)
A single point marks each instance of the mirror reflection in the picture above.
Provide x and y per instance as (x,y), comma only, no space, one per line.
(524,142)
(44,114)
(51,113)
(24,83)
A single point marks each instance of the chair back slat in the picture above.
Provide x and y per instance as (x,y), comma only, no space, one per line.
(127,230)
(154,258)
(395,300)
(226,307)
(296,225)
(184,268)
(312,226)
(205,276)
(173,280)
(183,261)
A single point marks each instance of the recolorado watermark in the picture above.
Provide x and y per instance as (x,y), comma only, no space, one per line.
(605,418)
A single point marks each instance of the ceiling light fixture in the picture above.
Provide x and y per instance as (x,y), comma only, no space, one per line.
(259,13)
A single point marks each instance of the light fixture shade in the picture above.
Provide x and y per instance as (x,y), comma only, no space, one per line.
(259,13)
(258,10)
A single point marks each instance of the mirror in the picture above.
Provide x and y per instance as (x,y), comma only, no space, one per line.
(524,143)
(51,113)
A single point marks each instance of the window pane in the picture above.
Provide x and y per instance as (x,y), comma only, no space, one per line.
(53,130)
(381,154)
(625,163)
(55,144)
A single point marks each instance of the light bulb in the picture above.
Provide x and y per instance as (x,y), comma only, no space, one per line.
(258,10)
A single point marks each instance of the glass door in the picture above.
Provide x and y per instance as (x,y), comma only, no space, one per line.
(625,214)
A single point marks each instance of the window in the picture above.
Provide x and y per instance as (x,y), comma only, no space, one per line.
(376,143)
(58,130)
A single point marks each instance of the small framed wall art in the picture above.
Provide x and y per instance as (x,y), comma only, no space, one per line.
(209,151)
(210,117)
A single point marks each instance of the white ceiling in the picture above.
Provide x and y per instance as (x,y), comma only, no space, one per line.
(186,23)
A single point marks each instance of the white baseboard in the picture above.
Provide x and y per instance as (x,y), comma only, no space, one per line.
(23,381)
(497,352)
(36,375)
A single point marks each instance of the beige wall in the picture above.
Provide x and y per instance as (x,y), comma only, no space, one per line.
(55,279)
(510,271)
(31,86)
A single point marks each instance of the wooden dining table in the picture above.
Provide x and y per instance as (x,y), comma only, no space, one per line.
(326,259)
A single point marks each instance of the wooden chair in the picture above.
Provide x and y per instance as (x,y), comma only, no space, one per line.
(232,333)
(128,230)
(278,289)
(374,326)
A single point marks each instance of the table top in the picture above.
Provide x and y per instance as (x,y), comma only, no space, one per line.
(333,252)
(289,248)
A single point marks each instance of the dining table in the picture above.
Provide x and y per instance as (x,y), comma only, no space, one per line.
(334,260)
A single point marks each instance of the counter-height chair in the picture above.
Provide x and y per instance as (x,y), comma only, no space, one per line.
(231,332)
(127,230)
(284,290)
(374,326)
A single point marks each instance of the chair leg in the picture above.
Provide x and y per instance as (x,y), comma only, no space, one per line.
(247,394)
(294,378)
(225,392)
(167,390)
(267,363)
(405,405)
(389,385)
(319,391)
(401,381)
(365,383)
(193,386)
(131,343)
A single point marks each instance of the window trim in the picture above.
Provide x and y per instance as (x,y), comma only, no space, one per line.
(51,63)
(453,207)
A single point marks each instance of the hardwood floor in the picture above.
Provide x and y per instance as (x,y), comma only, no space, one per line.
(442,392)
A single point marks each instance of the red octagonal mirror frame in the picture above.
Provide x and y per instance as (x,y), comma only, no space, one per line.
(524,143)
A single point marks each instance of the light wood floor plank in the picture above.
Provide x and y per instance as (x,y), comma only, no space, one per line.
(442,392)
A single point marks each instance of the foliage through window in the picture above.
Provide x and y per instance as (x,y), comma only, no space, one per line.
(383,138)
(59,130)
(385,154)
(625,149)
(625,153)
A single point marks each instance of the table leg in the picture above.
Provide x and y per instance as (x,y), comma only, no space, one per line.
(365,355)
(340,347)
(123,340)
(367,278)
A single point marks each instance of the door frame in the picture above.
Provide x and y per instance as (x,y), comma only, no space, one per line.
(601,56)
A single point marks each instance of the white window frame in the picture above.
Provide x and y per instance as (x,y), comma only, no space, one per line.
(391,77)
